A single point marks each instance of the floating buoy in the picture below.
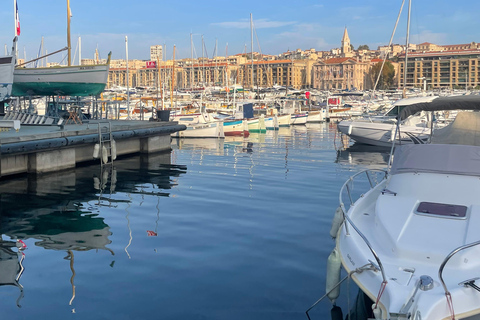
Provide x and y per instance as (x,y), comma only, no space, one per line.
(96,150)
(104,154)
(337,221)
(334,264)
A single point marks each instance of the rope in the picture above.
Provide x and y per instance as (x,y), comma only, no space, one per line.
(382,289)
(450,304)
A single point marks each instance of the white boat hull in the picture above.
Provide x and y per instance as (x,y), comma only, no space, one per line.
(381,134)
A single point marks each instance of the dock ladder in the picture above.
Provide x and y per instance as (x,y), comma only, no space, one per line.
(106,148)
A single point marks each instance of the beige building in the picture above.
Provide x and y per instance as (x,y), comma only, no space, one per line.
(297,74)
(449,69)
(341,73)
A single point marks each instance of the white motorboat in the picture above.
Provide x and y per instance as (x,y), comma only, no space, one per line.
(410,241)
(380,130)
(199,125)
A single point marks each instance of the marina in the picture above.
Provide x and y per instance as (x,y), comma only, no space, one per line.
(213,223)
(321,183)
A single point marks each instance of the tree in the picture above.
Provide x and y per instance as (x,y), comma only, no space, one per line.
(363,47)
(352,47)
(387,76)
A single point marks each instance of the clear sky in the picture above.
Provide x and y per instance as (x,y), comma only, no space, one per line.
(280,25)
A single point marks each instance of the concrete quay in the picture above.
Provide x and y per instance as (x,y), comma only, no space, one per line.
(48,148)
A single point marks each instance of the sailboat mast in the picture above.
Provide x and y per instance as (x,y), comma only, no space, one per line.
(68,35)
(173,78)
(251,39)
(191,60)
(406,49)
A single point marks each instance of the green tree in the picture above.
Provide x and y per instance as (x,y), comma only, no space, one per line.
(387,76)
(363,47)
(352,47)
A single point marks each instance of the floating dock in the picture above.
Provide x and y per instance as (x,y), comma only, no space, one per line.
(47,148)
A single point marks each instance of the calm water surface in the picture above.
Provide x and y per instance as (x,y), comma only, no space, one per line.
(234,229)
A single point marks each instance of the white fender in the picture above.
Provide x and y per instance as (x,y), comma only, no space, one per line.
(334,265)
(350,129)
(337,221)
(96,151)
(114,150)
(104,154)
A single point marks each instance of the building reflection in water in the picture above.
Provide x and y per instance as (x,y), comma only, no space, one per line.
(59,211)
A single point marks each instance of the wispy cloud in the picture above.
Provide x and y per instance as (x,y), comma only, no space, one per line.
(258,23)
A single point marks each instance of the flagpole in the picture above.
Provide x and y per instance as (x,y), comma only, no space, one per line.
(15,17)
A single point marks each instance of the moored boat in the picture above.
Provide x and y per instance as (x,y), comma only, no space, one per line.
(410,241)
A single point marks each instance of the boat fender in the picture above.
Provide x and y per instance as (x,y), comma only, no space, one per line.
(350,129)
(96,150)
(377,312)
(336,313)
(334,265)
(104,154)
(392,134)
(96,183)
(337,221)
(114,150)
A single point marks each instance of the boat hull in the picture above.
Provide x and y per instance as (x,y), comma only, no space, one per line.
(67,81)
(6,77)
(380,134)
(203,130)
(236,128)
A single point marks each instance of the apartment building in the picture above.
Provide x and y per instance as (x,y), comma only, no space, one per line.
(441,69)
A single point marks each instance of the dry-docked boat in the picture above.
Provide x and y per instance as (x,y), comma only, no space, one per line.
(411,241)
(7,65)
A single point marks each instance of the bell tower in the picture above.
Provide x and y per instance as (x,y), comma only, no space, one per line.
(346,47)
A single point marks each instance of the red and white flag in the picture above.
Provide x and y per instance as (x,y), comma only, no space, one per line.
(151,233)
(17,20)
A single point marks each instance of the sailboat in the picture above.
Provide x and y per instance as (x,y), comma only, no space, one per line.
(87,80)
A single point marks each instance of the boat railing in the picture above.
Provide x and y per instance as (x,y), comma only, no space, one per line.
(448,257)
(373,180)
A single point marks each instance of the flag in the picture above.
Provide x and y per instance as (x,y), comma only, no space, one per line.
(17,20)
(151,233)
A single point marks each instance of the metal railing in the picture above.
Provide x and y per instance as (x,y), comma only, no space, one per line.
(347,186)
(448,257)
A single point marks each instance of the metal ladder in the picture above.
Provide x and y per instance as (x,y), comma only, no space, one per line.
(105,153)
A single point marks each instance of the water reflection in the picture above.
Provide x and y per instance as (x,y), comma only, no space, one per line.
(61,211)
(364,155)
(11,265)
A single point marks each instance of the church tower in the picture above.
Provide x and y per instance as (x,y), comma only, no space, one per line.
(346,47)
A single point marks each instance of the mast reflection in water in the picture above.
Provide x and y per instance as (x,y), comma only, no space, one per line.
(242,234)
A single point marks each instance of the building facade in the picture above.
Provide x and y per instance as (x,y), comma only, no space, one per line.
(341,74)
(441,69)
(156,53)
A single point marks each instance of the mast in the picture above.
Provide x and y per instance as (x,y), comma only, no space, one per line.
(406,51)
(173,78)
(251,39)
(191,60)
(128,80)
(68,34)
(79,51)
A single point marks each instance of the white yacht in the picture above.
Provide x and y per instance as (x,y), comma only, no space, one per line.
(410,241)
(380,130)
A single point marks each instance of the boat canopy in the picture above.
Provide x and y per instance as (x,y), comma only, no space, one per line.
(437,158)
(467,102)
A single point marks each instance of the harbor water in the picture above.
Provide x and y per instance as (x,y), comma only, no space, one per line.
(216,229)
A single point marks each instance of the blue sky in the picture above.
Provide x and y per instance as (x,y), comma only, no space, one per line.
(280,25)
